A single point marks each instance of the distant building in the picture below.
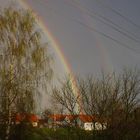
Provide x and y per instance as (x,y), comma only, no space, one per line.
(28,118)
(56,120)
(86,122)
(33,119)
(83,121)
(71,120)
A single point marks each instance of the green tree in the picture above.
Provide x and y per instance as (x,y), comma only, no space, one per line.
(25,66)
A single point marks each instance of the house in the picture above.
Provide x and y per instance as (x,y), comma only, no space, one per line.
(28,118)
(43,123)
(71,120)
(56,120)
(86,122)
(88,125)
(33,119)
(19,117)
(91,122)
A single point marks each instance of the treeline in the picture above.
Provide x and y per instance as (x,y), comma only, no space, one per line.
(115,98)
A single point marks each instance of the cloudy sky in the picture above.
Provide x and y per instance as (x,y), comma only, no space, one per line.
(95,35)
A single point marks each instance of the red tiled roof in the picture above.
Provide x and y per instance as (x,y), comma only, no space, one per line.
(71,117)
(19,117)
(87,118)
(32,118)
(57,117)
(29,117)
(82,117)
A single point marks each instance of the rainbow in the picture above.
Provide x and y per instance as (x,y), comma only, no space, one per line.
(106,64)
(55,45)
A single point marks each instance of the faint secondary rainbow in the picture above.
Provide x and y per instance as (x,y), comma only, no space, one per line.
(55,45)
(106,64)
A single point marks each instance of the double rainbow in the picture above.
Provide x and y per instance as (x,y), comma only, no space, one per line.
(55,45)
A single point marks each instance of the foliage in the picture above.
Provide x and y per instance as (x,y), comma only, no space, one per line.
(61,134)
(113,99)
(79,134)
(24,64)
(66,96)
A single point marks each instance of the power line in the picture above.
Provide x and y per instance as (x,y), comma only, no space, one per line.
(101,33)
(118,13)
(107,36)
(108,21)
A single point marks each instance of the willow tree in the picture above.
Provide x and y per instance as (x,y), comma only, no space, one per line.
(24,64)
